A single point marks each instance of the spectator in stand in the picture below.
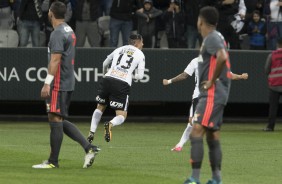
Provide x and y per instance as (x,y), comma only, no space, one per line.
(121,20)
(72,21)
(48,28)
(146,22)
(87,13)
(230,12)
(253,5)
(175,22)
(30,21)
(160,23)
(274,22)
(6,14)
(257,31)
(192,9)
(8,36)
(105,7)
(16,8)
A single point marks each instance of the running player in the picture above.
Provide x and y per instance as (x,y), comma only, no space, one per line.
(58,87)
(191,69)
(115,86)
(215,81)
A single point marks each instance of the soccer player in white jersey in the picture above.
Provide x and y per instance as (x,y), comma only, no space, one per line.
(115,86)
(192,68)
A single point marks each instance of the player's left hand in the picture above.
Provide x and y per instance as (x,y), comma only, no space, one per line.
(45,91)
(206,85)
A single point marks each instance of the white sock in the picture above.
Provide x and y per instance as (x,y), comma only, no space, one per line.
(185,135)
(96,117)
(118,120)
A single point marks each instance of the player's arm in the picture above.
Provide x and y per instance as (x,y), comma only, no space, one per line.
(178,78)
(107,61)
(267,67)
(221,57)
(235,76)
(52,71)
(139,73)
(54,63)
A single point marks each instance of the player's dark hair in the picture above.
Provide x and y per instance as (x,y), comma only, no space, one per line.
(133,38)
(210,15)
(59,9)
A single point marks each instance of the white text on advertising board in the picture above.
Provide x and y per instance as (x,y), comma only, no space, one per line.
(34,74)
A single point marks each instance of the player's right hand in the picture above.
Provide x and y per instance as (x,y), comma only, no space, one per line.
(45,91)
(244,76)
(165,82)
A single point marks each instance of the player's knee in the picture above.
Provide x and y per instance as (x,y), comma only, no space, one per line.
(54,118)
(213,135)
(198,130)
(123,117)
(101,107)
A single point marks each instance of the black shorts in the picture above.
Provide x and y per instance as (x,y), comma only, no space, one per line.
(209,115)
(59,103)
(113,92)
(193,107)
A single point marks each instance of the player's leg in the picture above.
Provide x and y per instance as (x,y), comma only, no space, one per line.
(56,130)
(102,101)
(196,139)
(96,117)
(119,101)
(74,133)
(213,140)
(56,137)
(215,155)
(120,118)
(184,138)
(197,153)
(186,134)
(117,120)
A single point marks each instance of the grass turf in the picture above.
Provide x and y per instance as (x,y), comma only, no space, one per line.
(139,153)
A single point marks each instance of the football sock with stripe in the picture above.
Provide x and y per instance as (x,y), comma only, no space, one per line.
(96,117)
(74,133)
(215,156)
(56,138)
(118,120)
(197,155)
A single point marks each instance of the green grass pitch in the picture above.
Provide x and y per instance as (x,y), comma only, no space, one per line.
(139,153)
